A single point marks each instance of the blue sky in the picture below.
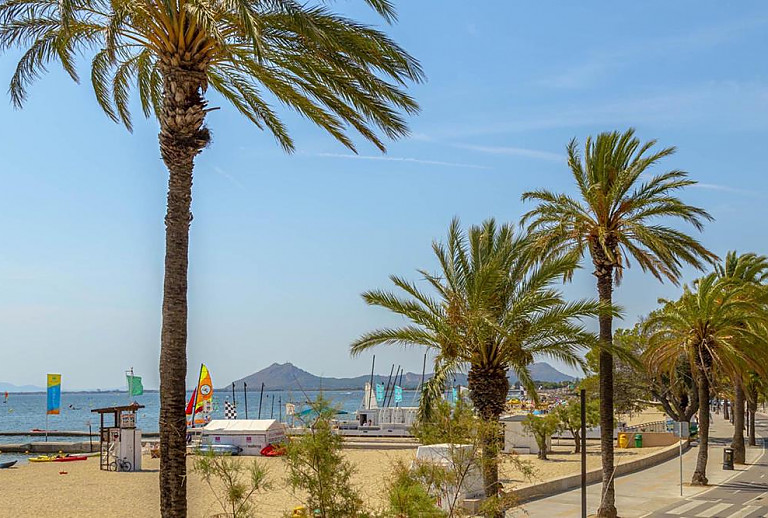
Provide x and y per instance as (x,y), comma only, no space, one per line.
(282,246)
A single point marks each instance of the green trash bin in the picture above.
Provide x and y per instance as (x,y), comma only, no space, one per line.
(638,440)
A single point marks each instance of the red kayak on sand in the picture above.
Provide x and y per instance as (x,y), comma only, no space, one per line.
(271,451)
(70,458)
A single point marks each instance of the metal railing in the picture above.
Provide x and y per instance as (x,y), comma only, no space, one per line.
(655,426)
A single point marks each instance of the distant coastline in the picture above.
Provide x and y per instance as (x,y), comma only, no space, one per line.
(287,377)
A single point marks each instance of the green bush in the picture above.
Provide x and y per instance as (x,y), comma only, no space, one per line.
(233,482)
(317,466)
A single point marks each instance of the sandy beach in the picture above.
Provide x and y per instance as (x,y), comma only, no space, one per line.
(40,490)
(37,490)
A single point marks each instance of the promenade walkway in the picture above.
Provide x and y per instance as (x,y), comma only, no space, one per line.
(655,492)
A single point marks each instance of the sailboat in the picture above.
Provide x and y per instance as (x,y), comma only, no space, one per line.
(200,404)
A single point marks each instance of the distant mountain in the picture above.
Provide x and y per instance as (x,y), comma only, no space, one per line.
(286,376)
(10,387)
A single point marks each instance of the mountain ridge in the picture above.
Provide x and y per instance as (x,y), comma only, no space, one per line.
(11,388)
(286,376)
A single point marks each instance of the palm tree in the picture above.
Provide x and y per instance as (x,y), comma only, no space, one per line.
(612,219)
(713,327)
(490,308)
(751,270)
(336,72)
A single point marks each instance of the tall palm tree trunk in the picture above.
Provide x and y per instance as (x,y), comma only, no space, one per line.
(488,389)
(752,405)
(726,413)
(700,473)
(737,443)
(182,137)
(607,507)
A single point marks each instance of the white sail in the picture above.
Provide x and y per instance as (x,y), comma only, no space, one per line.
(369,398)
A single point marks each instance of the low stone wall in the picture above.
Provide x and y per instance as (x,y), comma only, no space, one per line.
(50,447)
(562,484)
(651,439)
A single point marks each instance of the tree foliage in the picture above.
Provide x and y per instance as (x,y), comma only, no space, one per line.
(492,306)
(542,427)
(316,466)
(569,418)
(447,423)
(408,496)
(233,483)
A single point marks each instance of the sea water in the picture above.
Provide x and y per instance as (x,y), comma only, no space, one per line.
(24,412)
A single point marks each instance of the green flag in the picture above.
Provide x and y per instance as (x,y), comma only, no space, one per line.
(135,388)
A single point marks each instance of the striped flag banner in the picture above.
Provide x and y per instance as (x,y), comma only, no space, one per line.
(230,410)
(53,401)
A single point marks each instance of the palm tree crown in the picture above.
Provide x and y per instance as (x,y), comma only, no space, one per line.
(714,322)
(492,308)
(613,218)
(334,71)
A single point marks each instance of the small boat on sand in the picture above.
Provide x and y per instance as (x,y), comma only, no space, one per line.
(42,458)
(8,464)
(272,451)
(70,458)
(57,458)
(216,449)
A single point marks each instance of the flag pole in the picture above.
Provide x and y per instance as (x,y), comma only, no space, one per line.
(197,393)
(234,400)
(130,385)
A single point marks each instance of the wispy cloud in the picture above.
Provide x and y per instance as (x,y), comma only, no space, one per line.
(218,170)
(514,151)
(606,62)
(580,76)
(402,159)
(729,105)
(728,188)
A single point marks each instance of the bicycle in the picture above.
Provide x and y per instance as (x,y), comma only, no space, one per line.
(120,465)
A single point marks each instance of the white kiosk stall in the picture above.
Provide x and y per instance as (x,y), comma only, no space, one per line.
(252,435)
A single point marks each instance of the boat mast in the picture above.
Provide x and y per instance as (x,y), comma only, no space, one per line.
(261,397)
(370,385)
(245,398)
(386,390)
